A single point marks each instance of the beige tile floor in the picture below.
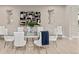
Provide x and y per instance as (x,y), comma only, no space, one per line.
(64,46)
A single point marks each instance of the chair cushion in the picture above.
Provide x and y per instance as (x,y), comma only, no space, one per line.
(20,44)
(37,42)
(8,38)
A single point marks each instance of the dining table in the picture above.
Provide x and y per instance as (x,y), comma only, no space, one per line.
(31,36)
(28,36)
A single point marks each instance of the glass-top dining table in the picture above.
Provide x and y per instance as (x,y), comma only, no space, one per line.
(30,35)
(27,36)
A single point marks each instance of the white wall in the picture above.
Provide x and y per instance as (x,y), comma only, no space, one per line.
(72,18)
(58,19)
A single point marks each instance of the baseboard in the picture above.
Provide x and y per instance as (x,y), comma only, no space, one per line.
(70,38)
(65,37)
(76,37)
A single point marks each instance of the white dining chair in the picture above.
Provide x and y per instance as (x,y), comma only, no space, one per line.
(53,38)
(60,31)
(20,29)
(38,43)
(39,29)
(8,38)
(19,40)
(2,29)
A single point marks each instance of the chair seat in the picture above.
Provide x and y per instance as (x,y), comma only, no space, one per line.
(20,44)
(9,38)
(37,42)
(52,38)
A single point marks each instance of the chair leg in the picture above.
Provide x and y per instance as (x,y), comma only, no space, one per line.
(32,40)
(27,40)
(46,49)
(24,49)
(34,47)
(39,50)
(55,43)
(4,44)
(12,45)
(15,49)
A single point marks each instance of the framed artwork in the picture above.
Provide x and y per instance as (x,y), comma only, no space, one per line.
(25,17)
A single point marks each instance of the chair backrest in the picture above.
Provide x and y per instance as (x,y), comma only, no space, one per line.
(54,37)
(18,37)
(20,29)
(59,30)
(40,37)
(45,37)
(55,31)
(39,29)
(2,30)
(6,31)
